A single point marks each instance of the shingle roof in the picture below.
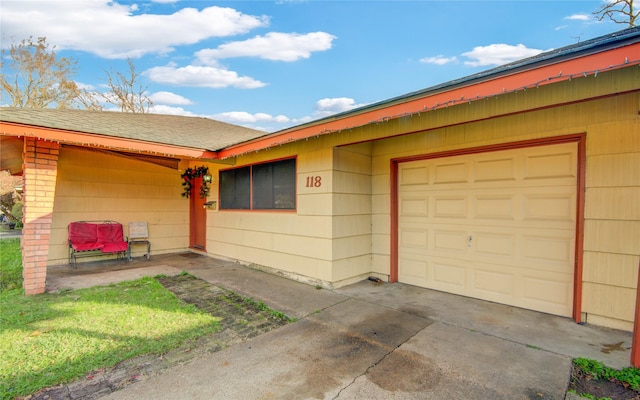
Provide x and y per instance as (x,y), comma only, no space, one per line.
(194,132)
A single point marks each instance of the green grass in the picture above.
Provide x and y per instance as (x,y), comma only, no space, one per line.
(50,339)
(10,264)
(599,371)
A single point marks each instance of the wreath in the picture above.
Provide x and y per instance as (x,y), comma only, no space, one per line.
(187,179)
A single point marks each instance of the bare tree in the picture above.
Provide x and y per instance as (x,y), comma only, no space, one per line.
(34,77)
(618,11)
(125,92)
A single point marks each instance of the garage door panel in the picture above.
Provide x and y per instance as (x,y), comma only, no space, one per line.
(447,241)
(556,249)
(414,238)
(450,206)
(550,206)
(413,175)
(449,276)
(455,172)
(495,244)
(414,270)
(550,165)
(498,226)
(493,283)
(547,295)
(494,206)
(414,207)
(494,169)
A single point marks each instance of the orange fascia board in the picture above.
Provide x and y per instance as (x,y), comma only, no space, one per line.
(102,141)
(536,76)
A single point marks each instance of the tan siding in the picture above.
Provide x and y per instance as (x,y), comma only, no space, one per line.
(617,203)
(611,269)
(298,243)
(609,170)
(612,217)
(99,186)
(618,237)
(614,137)
(306,269)
(609,301)
(351,200)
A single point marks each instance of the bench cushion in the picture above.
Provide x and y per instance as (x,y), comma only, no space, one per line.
(114,247)
(109,233)
(86,246)
(83,232)
(107,237)
(111,236)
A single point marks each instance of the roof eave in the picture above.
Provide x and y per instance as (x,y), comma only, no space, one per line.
(104,142)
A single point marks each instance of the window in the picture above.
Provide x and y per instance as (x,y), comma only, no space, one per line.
(267,186)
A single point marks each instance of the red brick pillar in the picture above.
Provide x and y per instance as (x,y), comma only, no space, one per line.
(39,173)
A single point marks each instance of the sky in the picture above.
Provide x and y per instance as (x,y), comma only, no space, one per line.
(270,65)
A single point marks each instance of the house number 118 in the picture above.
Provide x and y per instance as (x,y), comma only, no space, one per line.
(314,181)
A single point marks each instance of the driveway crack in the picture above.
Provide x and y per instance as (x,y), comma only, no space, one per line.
(384,356)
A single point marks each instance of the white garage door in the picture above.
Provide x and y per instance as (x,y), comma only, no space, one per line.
(497,226)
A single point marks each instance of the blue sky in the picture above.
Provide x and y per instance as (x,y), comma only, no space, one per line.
(270,65)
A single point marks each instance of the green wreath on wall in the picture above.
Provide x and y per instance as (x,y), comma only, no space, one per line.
(187,181)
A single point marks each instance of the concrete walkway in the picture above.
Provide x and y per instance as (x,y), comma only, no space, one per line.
(368,341)
(10,233)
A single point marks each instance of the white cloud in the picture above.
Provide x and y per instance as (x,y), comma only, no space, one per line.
(330,106)
(201,76)
(578,17)
(273,46)
(113,30)
(169,98)
(168,110)
(439,60)
(243,117)
(498,54)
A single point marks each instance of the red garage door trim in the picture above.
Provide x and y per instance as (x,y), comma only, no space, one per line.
(580,139)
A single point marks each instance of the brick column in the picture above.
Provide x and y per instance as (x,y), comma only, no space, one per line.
(40,163)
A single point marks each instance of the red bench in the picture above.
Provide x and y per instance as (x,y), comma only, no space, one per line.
(90,238)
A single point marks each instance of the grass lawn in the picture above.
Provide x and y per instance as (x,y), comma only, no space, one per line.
(10,264)
(55,338)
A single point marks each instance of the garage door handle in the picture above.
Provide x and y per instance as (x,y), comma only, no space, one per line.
(469,239)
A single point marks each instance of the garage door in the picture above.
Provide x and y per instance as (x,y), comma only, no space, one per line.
(498,226)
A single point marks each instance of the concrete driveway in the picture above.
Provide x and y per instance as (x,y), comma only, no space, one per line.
(369,341)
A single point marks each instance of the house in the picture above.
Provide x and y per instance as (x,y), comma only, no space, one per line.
(518,185)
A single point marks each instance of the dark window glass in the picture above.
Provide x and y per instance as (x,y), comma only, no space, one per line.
(235,189)
(274,185)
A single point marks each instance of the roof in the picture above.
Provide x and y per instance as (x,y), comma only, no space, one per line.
(174,130)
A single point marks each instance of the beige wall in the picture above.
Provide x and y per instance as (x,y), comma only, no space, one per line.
(296,243)
(612,218)
(94,185)
(327,240)
(352,238)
